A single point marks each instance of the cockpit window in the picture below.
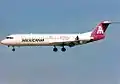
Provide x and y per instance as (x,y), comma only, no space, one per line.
(9,37)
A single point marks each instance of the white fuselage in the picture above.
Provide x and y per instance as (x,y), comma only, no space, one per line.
(62,40)
(43,39)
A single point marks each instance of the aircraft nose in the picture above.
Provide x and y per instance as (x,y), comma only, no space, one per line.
(3,42)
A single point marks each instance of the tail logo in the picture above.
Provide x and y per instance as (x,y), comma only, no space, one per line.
(100,30)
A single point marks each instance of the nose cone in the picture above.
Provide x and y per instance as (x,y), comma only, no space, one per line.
(3,42)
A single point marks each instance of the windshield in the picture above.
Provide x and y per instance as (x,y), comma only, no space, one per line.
(9,37)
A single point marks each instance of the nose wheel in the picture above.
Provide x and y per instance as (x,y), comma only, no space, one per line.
(13,49)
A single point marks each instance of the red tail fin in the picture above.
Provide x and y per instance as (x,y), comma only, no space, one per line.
(99,31)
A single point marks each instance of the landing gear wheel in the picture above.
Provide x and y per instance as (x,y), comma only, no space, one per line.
(55,49)
(63,49)
(13,49)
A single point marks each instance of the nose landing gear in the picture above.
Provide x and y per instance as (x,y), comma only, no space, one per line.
(13,49)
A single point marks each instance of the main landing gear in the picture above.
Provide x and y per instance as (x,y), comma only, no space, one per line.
(62,49)
(55,49)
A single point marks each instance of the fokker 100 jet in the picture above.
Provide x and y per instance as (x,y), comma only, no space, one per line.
(62,40)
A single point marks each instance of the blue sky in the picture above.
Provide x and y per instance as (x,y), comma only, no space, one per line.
(95,63)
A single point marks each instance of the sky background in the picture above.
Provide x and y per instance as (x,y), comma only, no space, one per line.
(94,63)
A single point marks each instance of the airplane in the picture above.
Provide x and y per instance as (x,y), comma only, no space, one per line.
(62,40)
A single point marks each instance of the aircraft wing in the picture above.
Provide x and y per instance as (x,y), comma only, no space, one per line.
(69,43)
